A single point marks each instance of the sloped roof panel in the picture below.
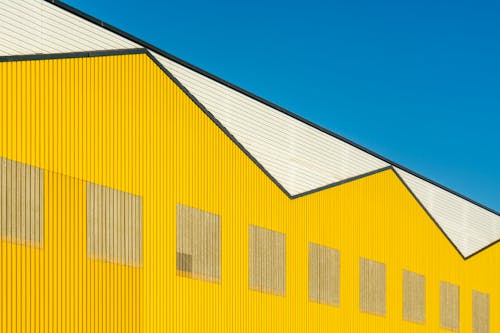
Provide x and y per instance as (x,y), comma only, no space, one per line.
(470,227)
(300,157)
(36,26)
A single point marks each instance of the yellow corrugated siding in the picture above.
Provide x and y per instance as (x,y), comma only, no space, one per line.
(119,121)
(73,119)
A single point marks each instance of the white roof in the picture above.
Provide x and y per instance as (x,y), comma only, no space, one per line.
(299,156)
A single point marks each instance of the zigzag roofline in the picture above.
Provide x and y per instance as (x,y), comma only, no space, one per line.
(146,52)
(198,70)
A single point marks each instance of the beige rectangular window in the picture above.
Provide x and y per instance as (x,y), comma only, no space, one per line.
(21,203)
(267,260)
(114,225)
(198,244)
(372,294)
(480,312)
(413,297)
(324,274)
(450,306)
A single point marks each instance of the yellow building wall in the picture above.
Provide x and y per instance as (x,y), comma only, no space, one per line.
(119,121)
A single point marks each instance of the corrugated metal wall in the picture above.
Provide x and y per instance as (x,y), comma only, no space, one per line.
(122,123)
(66,117)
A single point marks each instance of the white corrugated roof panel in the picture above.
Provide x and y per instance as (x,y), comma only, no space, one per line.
(36,26)
(468,226)
(300,157)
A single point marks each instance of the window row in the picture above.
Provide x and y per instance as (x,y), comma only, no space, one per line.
(199,256)
(114,234)
(114,218)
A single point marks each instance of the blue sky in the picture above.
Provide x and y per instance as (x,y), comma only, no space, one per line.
(416,81)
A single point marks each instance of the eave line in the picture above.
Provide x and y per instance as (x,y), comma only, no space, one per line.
(146,52)
(72,55)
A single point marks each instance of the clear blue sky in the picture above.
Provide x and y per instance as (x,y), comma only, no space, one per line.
(415,81)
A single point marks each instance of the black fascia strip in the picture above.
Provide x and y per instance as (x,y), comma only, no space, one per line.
(344,181)
(217,122)
(257,98)
(226,132)
(72,55)
(427,212)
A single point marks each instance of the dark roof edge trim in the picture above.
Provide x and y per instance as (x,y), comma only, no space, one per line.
(347,180)
(427,212)
(437,224)
(260,99)
(72,55)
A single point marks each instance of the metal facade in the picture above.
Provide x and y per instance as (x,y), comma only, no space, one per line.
(143,123)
